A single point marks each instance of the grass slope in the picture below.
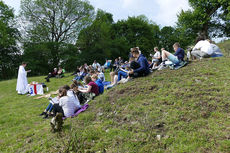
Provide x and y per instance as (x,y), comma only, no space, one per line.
(188,108)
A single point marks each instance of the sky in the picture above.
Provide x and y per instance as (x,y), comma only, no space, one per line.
(162,12)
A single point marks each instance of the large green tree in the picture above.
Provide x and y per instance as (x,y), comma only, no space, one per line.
(209,18)
(10,55)
(95,42)
(138,31)
(53,23)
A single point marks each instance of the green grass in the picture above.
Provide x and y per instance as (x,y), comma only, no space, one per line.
(188,108)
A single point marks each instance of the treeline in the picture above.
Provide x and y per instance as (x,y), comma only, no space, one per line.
(68,33)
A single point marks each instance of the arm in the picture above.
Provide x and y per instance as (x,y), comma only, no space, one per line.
(86,90)
(142,66)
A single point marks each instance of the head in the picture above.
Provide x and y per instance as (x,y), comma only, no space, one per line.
(135,52)
(55,69)
(62,92)
(176,46)
(200,38)
(94,77)
(66,87)
(162,49)
(92,72)
(156,49)
(74,87)
(87,79)
(24,64)
(95,62)
(119,58)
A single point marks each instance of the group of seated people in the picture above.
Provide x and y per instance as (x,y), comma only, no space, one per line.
(58,73)
(70,99)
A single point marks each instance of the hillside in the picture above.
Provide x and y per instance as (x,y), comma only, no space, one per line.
(186,110)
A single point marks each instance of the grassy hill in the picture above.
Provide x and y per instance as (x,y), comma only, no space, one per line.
(186,110)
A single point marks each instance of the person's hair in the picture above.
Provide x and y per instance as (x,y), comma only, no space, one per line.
(62,91)
(88,79)
(24,63)
(177,44)
(66,87)
(116,73)
(94,76)
(77,83)
(156,48)
(135,50)
(85,70)
(199,38)
(74,87)
(92,72)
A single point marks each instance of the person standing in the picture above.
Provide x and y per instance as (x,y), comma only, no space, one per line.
(22,79)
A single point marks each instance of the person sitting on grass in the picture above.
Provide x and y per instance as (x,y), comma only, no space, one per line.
(175,59)
(95,65)
(114,79)
(202,49)
(98,82)
(87,94)
(123,73)
(107,64)
(82,74)
(101,75)
(156,58)
(66,105)
(60,73)
(143,70)
(52,74)
(48,111)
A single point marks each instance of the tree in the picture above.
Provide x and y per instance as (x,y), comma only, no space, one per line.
(54,23)
(95,42)
(138,31)
(9,57)
(207,18)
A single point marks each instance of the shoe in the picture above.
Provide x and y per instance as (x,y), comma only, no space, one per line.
(43,113)
(46,116)
(162,67)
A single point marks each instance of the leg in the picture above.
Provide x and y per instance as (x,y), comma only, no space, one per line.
(121,74)
(165,55)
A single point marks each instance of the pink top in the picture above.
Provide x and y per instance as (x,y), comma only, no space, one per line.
(95,88)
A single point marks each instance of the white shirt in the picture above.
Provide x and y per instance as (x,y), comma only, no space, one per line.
(101,76)
(73,97)
(22,81)
(157,55)
(204,46)
(95,65)
(67,105)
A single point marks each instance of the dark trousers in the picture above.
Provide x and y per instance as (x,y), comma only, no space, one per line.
(57,109)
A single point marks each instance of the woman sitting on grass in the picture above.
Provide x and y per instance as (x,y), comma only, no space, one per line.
(87,94)
(98,82)
(66,105)
(114,79)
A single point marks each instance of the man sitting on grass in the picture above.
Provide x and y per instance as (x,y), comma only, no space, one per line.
(143,68)
(175,59)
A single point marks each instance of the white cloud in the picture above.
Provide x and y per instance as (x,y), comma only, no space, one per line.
(168,10)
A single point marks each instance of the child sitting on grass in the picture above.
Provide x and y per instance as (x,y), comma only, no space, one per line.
(66,105)
(87,94)
(114,79)
(98,82)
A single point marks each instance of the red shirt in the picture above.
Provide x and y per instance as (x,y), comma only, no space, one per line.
(95,88)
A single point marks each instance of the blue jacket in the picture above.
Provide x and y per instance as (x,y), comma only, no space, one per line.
(180,54)
(144,65)
(100,85)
